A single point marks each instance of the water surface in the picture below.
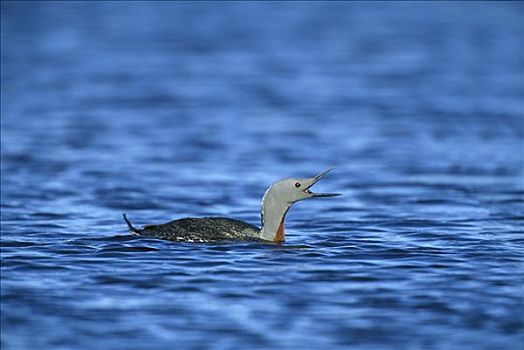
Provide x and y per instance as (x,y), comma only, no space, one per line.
(169,110)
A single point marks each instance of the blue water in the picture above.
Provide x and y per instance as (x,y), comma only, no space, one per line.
(167,110)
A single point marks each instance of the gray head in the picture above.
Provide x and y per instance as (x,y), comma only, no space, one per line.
(280,197)
(296,189)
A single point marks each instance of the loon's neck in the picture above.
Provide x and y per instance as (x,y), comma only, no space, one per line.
(273,216)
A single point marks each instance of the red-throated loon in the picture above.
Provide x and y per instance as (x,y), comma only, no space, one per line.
(277,200)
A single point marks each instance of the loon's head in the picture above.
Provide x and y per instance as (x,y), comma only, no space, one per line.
(293,190)
(280,196)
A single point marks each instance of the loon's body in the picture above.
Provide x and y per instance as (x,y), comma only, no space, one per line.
(200,230)
(276,202)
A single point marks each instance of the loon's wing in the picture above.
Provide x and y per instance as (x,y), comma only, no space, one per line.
(203,230)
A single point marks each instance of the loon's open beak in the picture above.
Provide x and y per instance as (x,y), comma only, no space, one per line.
(310,182)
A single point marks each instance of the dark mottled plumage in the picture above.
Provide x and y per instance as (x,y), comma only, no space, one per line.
(200,230)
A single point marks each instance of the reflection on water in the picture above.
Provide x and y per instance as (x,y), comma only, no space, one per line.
(167,110)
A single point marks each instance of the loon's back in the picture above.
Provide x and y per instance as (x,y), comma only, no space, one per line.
(202,230)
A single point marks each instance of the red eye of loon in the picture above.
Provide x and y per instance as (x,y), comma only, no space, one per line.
(297,184)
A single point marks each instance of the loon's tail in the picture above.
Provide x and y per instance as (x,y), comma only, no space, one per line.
(130,225)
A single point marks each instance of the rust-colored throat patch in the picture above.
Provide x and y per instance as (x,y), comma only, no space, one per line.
(281,234)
